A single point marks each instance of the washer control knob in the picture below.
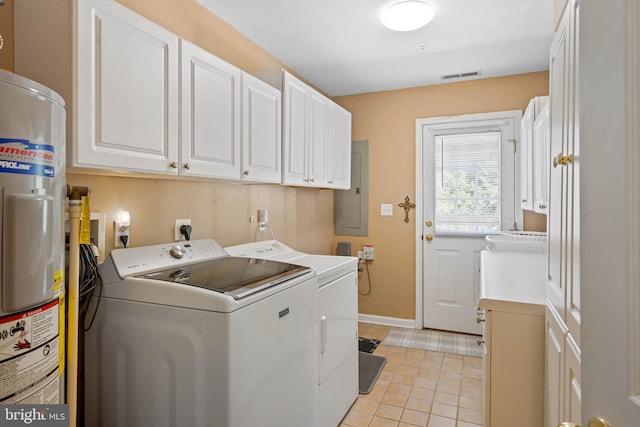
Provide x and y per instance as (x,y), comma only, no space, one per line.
(177,251)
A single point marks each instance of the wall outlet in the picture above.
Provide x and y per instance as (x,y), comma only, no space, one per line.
(368,252)
(121,230)
(179,223)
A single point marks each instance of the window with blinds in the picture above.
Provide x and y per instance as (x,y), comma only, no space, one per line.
(467,183)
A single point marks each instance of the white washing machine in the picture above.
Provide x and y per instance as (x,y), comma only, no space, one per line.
(188,336)
(337,322)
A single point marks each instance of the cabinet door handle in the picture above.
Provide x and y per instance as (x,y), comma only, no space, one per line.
(187,166)
(246,173)
(173,165)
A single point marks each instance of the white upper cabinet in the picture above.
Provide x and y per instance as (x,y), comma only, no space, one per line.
(339,149)
(530,170)
(261,131)
(541,156)
(127,91)
(298,114)
(316,136)
(211,115)
(526,157)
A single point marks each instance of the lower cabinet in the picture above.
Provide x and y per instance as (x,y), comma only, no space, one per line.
(514,365)
(563,382)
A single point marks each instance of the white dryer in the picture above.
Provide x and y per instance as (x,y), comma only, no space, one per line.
(186,335)
(337,322)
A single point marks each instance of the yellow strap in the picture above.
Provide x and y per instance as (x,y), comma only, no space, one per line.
(85,220)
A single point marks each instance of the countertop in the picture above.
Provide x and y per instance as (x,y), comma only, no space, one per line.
(513,282)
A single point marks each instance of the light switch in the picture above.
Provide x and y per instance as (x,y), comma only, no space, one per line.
(386,209)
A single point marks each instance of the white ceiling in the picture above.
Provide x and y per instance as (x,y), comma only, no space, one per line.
(341,47)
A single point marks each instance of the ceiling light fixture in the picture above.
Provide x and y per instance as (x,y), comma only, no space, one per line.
(407,15)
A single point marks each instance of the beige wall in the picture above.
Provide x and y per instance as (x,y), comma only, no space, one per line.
(6,31)
(302,218)
(387,121)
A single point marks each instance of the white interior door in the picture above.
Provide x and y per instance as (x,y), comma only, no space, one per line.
(609,99)
(467,194)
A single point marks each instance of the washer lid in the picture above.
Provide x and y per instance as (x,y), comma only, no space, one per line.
(236,277)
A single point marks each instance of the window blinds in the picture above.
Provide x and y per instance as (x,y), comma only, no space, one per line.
(467,183)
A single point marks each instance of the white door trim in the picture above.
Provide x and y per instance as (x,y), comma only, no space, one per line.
(451,122)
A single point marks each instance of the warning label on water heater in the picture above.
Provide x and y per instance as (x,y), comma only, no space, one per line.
(23,157)
(29,356)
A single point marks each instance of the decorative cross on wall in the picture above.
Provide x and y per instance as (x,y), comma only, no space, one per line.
(407,206)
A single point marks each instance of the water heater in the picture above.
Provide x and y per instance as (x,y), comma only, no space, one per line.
(32,186)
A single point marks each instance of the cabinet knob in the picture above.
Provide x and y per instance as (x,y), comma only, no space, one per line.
(479,341)
(246,173)
(186,165)
(428,223)
(173,165)
(429,237)
(330,181)
(524,200)
(312,180)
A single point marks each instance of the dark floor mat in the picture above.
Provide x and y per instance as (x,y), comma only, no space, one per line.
(367,345)
(369,367)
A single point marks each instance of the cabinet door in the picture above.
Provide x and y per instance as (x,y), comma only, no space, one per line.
(261,126)
(318,138)
(294,132)
(127,91)
(541,160)
(339,150)
(572,382)
(526,156)
(338,313)
(558,118)
(555,341)
(210,144)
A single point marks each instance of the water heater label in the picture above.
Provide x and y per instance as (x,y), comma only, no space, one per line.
(23,157)
(29,347)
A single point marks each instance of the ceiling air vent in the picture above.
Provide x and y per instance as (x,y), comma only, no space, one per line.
(460,75)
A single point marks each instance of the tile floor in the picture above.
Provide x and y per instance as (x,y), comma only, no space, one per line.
(419,388)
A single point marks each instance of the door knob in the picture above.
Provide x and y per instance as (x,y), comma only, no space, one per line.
(428,223)
(598,422)
(429,237)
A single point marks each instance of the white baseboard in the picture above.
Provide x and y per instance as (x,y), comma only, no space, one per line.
(387,321)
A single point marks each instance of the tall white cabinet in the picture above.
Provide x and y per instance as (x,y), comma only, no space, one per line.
(563,383)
